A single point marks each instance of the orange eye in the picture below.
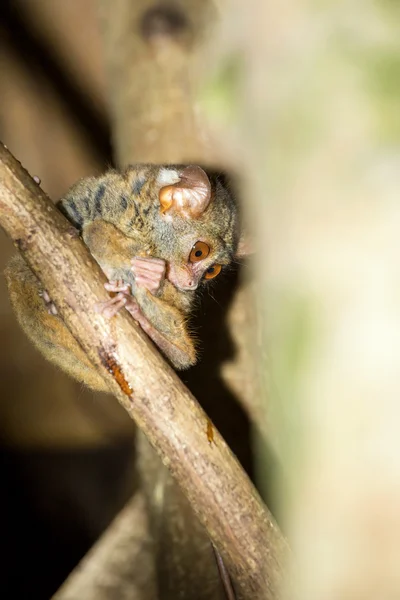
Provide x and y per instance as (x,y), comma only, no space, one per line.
(213,271)
(200,251)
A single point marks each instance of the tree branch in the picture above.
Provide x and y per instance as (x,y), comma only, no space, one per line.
(220,493)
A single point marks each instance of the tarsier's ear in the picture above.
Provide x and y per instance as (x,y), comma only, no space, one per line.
(245,246)
(188,197)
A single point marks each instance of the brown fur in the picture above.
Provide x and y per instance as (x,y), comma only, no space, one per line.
(119,217)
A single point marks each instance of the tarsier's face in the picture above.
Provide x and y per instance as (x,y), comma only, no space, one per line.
(197,230)
(200,266)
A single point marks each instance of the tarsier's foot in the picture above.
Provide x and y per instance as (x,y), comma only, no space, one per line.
(51,307)
(109,308)
(123,299)
(149,272)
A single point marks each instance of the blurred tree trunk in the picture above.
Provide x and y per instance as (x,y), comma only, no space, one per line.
(319,132)
(150,53)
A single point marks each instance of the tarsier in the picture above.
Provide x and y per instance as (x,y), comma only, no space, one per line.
(159,233)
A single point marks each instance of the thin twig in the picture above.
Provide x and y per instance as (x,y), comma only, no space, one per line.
(225,577)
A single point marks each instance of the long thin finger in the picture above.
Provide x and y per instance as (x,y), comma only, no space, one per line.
(148,273)
(113,310)
(114,286)
(147,282)
(100,306)
(150,267)
(148,260)
(154,272)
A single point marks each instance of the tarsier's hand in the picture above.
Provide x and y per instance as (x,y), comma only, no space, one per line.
(148,272)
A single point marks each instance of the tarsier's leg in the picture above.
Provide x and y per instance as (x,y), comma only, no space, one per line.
(47,331)
(170,336)
(163,323)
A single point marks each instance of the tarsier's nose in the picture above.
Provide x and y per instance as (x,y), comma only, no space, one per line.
(190,285)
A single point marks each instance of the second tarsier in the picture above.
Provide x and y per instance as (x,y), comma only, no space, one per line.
(159,233)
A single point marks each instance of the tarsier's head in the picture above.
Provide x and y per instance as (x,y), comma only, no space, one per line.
(199,228)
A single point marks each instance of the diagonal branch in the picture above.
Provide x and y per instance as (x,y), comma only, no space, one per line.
(221,494)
